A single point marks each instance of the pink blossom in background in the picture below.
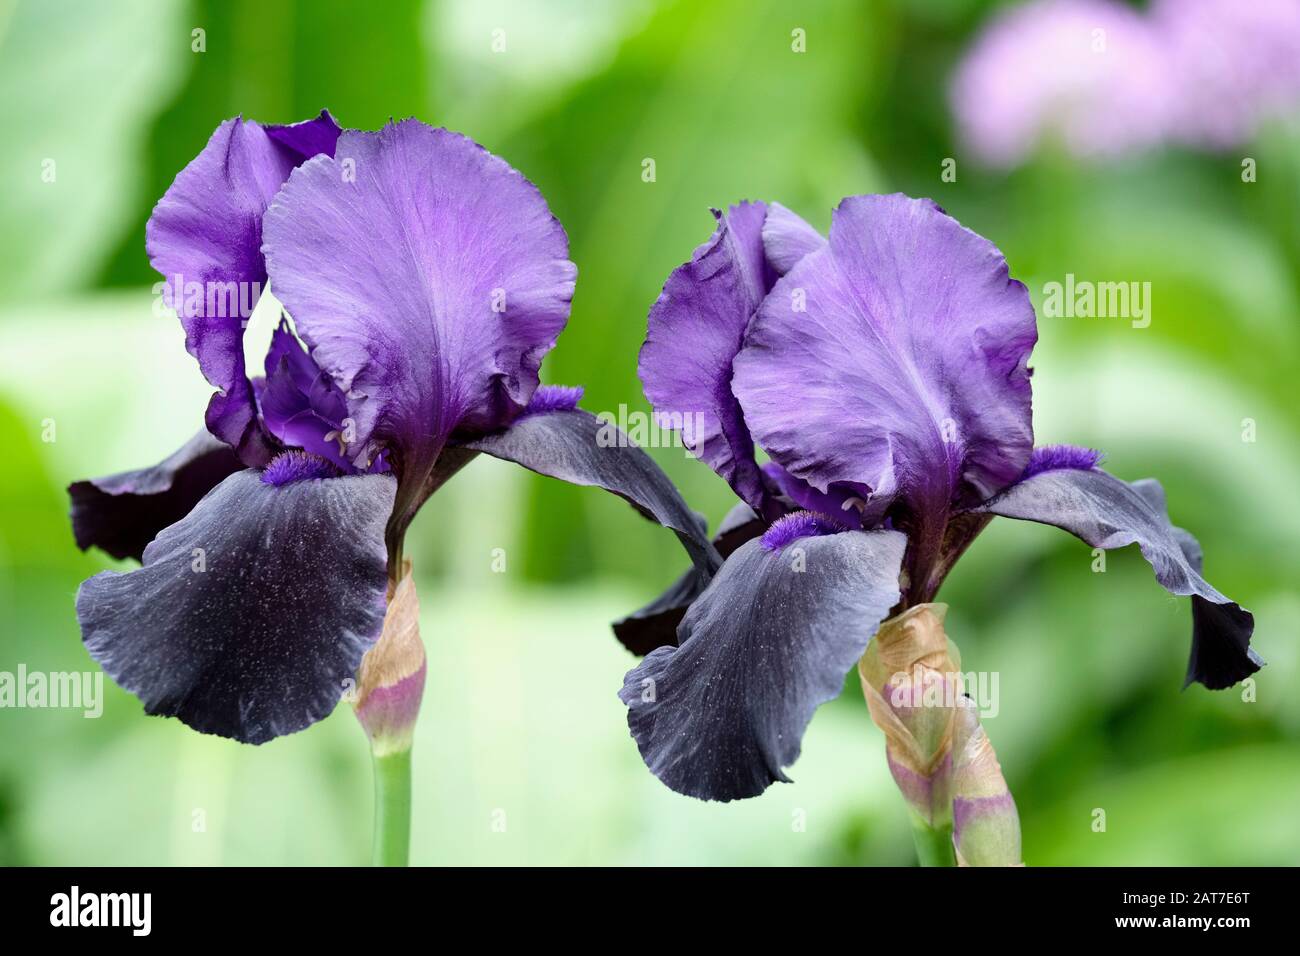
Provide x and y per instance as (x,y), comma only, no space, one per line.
(1103,79)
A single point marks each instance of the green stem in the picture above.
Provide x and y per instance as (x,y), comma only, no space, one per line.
(933,844)
(393,809)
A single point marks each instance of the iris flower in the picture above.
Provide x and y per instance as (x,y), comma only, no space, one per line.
(885,372)
(425,279)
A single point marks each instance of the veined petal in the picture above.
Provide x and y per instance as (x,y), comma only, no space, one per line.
(787,238)
(122,513)
(694,332)
(849,505)
(895,359)
(308,138)
(1109,513)
(205,237)
(428,278)
(250,613)
(300,405)
(768,642)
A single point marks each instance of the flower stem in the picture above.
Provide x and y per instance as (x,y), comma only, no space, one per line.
(933,844)
(393,809)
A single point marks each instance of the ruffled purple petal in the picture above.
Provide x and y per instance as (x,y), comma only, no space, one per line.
(309,138)
(787,238)
(1109,513)
(122,513)
(854,507)
(252,612)
(768,642)
(205,239)
(895,359)
(694,331)
(301,406)
(429,279)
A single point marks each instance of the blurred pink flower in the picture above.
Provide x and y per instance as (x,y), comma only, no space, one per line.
(1103,79)
(1237,61)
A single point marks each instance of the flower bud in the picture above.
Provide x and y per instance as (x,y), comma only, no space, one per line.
(986,828)
(911,679)
(939,755)
(390,682)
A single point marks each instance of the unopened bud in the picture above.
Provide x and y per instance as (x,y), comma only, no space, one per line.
(986,827)
(911,679)
(939,755)
(390,682)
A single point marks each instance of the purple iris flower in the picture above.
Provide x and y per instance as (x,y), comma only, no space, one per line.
(885,372)
(425,279)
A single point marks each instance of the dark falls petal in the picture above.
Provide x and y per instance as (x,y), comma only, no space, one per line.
(1109,513)
(428,278)
(787,238)
(205,238)
(694,331)
(575,446)
(738,525)
(894,359)
(768,642)
(250,613)
(122,513)
(655,625)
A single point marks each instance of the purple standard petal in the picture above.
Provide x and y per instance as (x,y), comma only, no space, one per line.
(787,238)
(429,278)
(251,613)
(1109,513)
(849,505)
(300,404)
(694,331)
(205,237)
(895,359)
(769,641)
(309,138)
(122,513)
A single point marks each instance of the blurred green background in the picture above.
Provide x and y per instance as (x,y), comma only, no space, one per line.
(522,753)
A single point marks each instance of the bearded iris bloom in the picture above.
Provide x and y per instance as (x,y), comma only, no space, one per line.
(425,279)
(885,372)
